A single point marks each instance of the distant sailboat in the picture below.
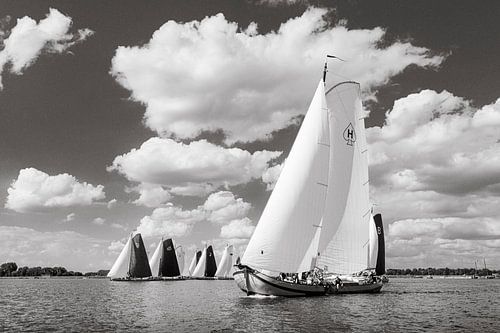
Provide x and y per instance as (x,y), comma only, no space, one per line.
(164,262)
(132,263)
(225,264)
(194,262)
(313,235)
(206,266)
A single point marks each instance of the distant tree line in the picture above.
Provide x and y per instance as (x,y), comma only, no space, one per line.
(440,271)
(11,269)
(101,272)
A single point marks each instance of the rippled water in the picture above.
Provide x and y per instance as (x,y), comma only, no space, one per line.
(439,305)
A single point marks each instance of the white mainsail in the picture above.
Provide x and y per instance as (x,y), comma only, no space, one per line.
(192,266)
(199,271)
(121,266)
(154,262)
(180,258)
(373,244)
(283,238)
(343,243)
(319,211)
(225,263)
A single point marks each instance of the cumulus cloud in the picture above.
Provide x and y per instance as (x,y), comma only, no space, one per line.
(170,221)
(112,203)
(35,190)
(75,251)
(237,229)
(116,247)
(435,174)
(150,195)
(212,74)
(222,207)
(28,40)
(189,169)
(118,226)
(271,175)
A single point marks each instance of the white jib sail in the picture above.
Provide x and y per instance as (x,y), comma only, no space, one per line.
(154,262)
(225,263)
(192,266)
(344,237)
(373,244)
(282,241)
(121,266)
(180,258)
(199,271)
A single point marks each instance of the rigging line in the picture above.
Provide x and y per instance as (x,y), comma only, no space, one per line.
(366,212)
(319,183)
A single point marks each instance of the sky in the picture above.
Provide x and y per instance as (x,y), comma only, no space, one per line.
(172,118)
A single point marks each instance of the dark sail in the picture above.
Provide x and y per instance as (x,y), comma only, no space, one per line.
(139,265)
(168,260)
(198,256)
(211,265)
(380,269)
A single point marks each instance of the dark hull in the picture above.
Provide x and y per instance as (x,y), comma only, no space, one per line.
(253,282)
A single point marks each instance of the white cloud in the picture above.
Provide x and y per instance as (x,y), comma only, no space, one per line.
(271,175)
(98,221)
(151,195)
(191,168)
(237,229)
(435,175)
(35,190)
(222,207)
(211,74)
(70,217)
(28,39)
(75,251)
(118,226)
(170,221)
(116,247)
(112,203)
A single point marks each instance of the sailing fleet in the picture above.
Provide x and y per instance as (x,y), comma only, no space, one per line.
(167,262)
(318,233)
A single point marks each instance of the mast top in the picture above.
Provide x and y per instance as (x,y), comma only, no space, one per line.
(325,69)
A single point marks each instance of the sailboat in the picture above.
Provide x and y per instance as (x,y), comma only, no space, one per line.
(313,237)
(163,263)
(225,264)
(132,263)
(194,262)
(206,266)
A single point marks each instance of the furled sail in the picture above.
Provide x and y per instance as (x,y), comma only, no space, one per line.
(343,243)
(168,261)
(120,267)
(199,271)
(284,238)
(226,262)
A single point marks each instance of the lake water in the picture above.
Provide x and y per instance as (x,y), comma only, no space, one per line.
(99,305)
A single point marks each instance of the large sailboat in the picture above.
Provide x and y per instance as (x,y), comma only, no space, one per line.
(206,266)
(225,264)
(317,234)
(164,262)
(132,263)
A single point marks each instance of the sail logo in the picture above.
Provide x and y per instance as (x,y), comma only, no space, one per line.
(169,248)
(349,135)
(379,231)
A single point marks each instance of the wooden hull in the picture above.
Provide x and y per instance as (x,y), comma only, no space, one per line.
(253,282)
